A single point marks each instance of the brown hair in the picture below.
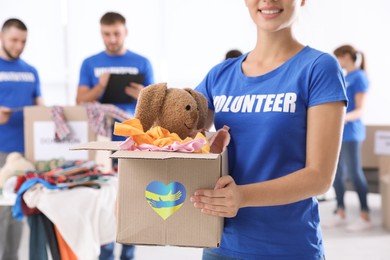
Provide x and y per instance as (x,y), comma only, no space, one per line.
(13,22)
(348,49)
(110,18)
(233,54)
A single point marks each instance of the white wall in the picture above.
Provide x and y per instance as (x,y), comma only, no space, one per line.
(327,24)
(45,43)
(185,38)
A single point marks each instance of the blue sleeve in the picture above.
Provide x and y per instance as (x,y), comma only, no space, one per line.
(361,83)
(149,75)
(37,92)
(85,75)
(205,87)
(327,82)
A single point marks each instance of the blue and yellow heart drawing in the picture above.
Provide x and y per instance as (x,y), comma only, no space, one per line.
(165,200)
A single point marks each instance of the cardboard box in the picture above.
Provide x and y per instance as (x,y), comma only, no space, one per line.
(382,149)
(166,181)
(385,195)
(39,133)
(384,165)
(370,159)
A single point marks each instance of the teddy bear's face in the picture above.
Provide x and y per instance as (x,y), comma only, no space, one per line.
(183,104)
(179,111)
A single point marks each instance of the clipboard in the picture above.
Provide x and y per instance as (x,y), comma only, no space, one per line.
(115,90)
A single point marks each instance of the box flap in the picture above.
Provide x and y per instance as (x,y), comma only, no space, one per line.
(108,146)
(163,155)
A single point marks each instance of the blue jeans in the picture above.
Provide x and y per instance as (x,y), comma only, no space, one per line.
(350,165)
(107,252)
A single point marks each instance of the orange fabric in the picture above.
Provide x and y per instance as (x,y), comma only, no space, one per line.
(206,147)
(66,252)
(157,136)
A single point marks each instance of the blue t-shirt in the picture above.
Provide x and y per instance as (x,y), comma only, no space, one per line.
(129,62)
(356,82)
(267,116)
(19,87)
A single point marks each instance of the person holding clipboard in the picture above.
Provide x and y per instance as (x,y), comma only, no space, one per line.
(115,76)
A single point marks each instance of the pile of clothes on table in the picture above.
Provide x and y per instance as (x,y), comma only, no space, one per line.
(70,209)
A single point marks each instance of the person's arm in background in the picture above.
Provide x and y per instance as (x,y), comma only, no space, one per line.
(5,113)
(39,101)
(324,132)
(134,88)
(357,113)
(87,94)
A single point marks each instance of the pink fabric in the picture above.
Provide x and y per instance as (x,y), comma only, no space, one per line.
(99,119)
(99,116)
(188,147)
(62,129)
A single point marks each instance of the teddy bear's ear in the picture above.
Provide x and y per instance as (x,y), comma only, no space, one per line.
(149,104)
(202,106)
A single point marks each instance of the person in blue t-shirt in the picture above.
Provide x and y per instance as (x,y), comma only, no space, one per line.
(94,76)
(285,105)
(115,59)
(19,87)
(353,63)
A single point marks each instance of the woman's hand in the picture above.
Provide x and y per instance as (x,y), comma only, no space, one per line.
(224,201)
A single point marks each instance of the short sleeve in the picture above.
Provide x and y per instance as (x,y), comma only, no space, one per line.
(149,75)
(327,82)
(37,91)
(205,87)
(361,83)
(85,75)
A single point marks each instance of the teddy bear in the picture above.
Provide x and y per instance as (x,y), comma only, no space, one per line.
(180,111)
(15,164)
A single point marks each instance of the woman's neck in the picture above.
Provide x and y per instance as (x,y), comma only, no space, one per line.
(271,51)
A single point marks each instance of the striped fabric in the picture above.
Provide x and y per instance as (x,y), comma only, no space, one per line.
(100,119)
(62,129)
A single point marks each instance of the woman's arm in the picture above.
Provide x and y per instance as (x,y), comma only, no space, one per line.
(324,132)
(357,113)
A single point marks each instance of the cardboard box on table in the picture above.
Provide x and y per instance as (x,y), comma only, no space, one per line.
(39,134)
(384,186)
(382,148)
(160,179)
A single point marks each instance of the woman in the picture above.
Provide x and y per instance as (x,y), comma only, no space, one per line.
(284,103)
(353,136)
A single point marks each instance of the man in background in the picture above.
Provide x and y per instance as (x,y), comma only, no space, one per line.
(94,77)
(115,59)
(19,87)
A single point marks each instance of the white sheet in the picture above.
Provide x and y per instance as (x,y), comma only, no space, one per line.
(84,216)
